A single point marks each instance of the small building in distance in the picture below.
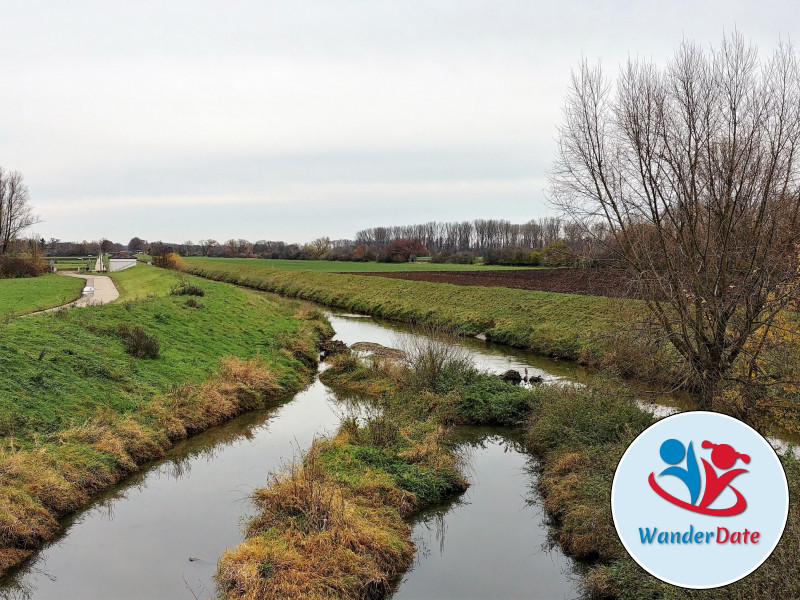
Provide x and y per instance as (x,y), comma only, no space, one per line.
(120,261)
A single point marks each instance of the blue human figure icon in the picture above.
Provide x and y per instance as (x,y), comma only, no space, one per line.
(672,452)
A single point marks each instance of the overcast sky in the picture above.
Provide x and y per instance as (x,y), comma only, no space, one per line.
(294,119)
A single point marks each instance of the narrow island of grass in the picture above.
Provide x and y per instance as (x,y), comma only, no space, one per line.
(89,394)
(331,525)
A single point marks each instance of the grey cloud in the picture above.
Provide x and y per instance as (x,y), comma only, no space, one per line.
(298,119)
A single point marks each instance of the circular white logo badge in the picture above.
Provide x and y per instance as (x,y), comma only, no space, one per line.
(699,500)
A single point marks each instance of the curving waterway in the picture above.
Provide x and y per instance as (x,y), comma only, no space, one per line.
(159,533)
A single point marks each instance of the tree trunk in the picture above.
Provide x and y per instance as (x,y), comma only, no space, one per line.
(709,385)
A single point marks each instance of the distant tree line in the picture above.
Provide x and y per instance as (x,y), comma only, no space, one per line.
(478,235)
(547,241)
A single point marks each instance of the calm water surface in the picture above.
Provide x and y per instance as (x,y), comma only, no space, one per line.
(491,542)
(160,533)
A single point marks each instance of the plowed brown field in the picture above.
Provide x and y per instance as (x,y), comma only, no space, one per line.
(588,282)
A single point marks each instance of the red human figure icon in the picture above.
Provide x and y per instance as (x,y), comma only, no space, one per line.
(724,457)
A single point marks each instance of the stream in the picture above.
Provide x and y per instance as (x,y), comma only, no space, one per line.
(160,533)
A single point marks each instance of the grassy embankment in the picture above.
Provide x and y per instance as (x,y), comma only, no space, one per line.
(596,331)
(332,525)
(578,435)
(29,294)
(560,325)
(79,410)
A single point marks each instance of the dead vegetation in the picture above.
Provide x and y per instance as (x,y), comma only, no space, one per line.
(61,472)
(331,525)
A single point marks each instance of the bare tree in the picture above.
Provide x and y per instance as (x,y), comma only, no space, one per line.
(318,248)
(16,213)
(207,247)
(693,170)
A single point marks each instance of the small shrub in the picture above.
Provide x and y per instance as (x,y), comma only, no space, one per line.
(557,254)
(138,342)
(436,361)
(193,303)
(22,266)
(170,260)
(187,289)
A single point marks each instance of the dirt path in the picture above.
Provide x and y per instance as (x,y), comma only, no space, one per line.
(104,290)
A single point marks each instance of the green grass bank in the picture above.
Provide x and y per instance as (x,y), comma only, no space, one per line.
(29,294)
(579,437)
(88,394)
(560,325)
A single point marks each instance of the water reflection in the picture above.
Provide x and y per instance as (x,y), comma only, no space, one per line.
(491,542)
(136,540)
(485,355)
(160,533)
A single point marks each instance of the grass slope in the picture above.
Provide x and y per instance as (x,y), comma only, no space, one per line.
(78,412)
(142,281)
(26,295)
(562,325)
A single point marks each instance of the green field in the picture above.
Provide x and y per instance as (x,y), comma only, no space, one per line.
(561,325)
(333,266)
(21,296)
(78,409)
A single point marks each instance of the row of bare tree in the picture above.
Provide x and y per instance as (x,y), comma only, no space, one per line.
(478,235)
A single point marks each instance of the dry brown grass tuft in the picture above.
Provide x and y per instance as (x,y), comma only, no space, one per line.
(573,488)
(373,376)
(12,556)
(317,539)
(305,494)
(24,523)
